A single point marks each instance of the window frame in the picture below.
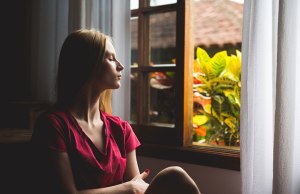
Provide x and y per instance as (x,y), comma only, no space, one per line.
(169,143)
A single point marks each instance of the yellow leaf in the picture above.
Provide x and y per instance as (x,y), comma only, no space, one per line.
(207,108)
(233,68)
(200,119)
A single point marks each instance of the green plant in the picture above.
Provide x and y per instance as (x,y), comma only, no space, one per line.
(217,91)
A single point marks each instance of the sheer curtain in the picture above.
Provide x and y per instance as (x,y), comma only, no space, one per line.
(270,115)
(52,20)
(121,39)
(49,27)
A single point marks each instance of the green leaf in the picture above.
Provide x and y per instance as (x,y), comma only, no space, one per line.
(203,59)
(202,55)
(218,63)
(231,122)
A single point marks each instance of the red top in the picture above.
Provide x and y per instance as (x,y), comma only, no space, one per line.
(59,131)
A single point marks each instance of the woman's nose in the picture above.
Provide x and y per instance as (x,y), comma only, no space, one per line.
(120,66)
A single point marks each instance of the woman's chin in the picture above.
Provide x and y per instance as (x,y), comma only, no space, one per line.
(117,86)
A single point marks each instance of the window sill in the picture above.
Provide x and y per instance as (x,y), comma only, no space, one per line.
(205,156)
(14,136)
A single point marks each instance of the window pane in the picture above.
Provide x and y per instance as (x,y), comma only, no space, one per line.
(134,63)
(134,41)
(217,72)
(161,98)
(134,4)
(161,2)
(133,96)
(162,38)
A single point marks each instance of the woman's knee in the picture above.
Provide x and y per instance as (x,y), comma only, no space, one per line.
(176,180)
(173,172)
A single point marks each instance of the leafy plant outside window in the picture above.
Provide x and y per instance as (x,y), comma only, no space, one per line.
(216,94)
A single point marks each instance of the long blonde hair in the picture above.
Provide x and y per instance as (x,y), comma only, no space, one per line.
(105,101)
(80,55)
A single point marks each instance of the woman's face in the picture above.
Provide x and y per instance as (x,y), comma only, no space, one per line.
(110,69)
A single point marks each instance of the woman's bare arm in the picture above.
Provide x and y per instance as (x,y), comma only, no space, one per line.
(132,168)
(64,175)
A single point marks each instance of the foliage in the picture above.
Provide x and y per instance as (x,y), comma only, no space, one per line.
(217,91)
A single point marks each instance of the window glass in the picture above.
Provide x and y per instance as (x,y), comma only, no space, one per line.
(217,72)
(134,41)
(134,4)
(162,38)
(161,98)
(161,2)
(133,96)
(134,63)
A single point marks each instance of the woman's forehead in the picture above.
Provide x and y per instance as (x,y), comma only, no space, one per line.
(109,48)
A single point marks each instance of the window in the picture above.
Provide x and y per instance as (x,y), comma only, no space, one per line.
(217,72)
(164,48)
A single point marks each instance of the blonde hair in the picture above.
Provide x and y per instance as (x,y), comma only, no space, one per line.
(105,101)
(82,51)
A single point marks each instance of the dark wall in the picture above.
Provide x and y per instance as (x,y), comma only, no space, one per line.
(14,86)
(14,62)
(15,52)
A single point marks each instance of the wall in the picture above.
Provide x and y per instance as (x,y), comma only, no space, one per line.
(209,180)
(14,55)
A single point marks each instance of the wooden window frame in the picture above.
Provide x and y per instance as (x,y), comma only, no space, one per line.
(164,142)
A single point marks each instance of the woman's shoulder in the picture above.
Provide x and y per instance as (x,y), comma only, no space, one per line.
(119,128)
(52,115)
(114,120)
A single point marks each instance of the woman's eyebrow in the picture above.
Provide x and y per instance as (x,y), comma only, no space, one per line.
(108,53)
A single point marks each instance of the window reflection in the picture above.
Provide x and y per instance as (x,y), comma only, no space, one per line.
(161,2)
(134,63)
(133,100)
(134,41)
(162,38)
(161,98)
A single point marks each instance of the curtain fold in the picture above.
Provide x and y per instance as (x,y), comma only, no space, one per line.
(286,161)
(95,14)
(270,159)
(49,21)
(121,38)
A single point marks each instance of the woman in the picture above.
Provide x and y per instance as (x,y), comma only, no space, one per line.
(79,146)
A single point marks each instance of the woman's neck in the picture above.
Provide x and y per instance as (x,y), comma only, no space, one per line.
(86,108)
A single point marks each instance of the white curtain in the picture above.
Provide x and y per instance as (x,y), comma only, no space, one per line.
(270,114)
(52,20)
(121,39)
(49,27)
(90,14)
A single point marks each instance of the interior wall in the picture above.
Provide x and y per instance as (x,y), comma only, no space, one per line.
(14,74)
(209,180)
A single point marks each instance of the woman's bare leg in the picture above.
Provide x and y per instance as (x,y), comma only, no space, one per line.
(172,180)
